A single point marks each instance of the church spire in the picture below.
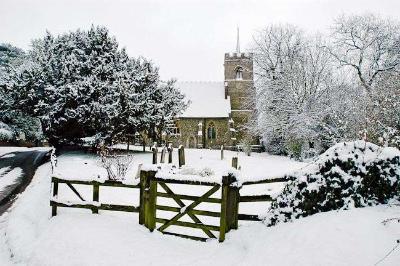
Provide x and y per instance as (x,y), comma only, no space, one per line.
(238,42)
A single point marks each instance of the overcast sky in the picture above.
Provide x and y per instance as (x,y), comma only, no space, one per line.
(187,39)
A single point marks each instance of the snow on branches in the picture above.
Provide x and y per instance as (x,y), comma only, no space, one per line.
(326,89)
(348,175)
(81,84)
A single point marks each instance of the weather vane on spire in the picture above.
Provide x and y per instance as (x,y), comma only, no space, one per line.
(238,42)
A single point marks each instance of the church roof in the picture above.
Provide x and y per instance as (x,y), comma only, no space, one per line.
(207,99)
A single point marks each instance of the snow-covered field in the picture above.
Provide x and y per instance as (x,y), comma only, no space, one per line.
(77,237)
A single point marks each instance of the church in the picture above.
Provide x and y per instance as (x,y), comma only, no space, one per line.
(217,111)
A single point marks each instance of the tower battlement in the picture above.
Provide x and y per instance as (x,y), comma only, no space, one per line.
(238,55)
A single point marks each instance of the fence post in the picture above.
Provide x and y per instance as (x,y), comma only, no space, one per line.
(181,155)
(144,185)
(162,159)
(127,144)
(55,193)
(229,206)
(151,204)
(148,194)
(170,149)
(154,150)
(222,152)
(96,190)
(235,162)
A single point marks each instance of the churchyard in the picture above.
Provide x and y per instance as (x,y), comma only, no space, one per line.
(159,133)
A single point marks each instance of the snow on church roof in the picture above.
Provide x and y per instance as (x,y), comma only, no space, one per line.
(207,99)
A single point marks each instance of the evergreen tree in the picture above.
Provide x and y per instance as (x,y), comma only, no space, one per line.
(12,58)
(81,84)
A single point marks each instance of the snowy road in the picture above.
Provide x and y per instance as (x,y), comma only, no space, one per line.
(16,171)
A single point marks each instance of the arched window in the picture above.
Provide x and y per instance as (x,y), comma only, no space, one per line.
(211,133)
(239,73)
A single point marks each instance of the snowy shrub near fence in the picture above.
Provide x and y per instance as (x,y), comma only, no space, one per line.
(348,175)
(117,166)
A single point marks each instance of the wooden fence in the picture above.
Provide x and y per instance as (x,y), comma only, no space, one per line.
(229,200)
(94,205)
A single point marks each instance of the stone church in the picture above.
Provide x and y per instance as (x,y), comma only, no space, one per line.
(217,111)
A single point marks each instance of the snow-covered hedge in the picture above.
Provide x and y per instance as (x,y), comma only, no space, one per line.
(349,174)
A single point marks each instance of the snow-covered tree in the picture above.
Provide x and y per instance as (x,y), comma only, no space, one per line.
(384,111)
(81,84)
(172,104)
(12,58)
(367,44)
(331,89)
(295,81)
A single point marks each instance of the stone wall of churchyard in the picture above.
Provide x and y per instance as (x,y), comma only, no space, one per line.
(189,133)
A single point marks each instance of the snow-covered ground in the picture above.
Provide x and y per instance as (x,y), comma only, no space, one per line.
(8,177)
(10,149)
(77,237)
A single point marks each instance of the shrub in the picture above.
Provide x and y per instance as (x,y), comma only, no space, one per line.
(294,148)
(349,174)
(6,133)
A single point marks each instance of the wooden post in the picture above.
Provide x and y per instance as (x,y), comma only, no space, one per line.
(144,186)
(229,206)
(152,202)
(148,197)
(170,149)
(163,151)
(233,204)
(222,152)
(96,191)
(235,162)
(154,150)
(55,193)
(181,156)
(127,144)
(224,211)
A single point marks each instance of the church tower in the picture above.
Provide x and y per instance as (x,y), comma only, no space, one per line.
(239,86)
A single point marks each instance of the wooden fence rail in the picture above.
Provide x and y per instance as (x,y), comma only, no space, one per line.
(149,193)
(94,205)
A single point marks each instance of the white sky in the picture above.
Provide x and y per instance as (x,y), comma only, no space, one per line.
(187,39)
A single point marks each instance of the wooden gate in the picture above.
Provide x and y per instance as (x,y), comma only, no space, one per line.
(228,202)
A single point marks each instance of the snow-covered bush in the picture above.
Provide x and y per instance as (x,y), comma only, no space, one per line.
(246,144)
(6,133)
(117,166)
(204,172)
(349,174)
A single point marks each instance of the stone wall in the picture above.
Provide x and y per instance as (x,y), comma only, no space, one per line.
(189,136)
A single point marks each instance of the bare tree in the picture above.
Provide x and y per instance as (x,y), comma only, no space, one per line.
(295,78)
(384,110)
(367,44)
